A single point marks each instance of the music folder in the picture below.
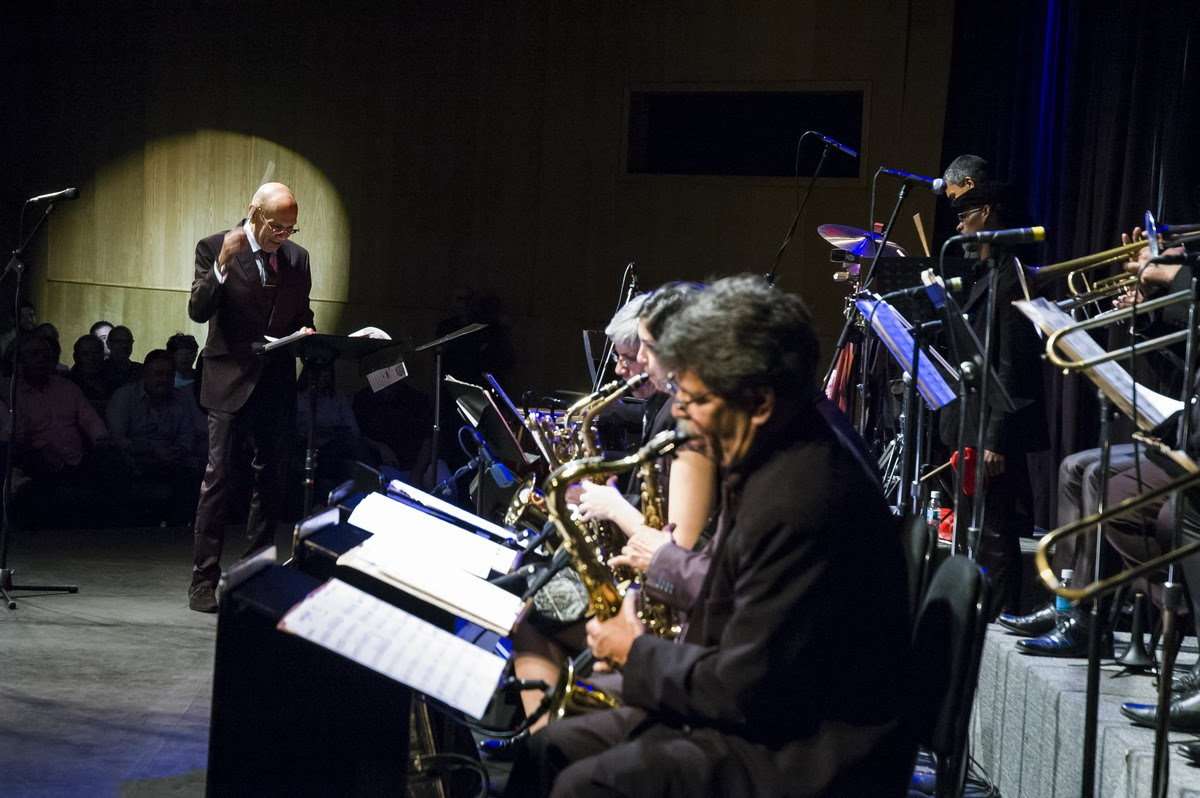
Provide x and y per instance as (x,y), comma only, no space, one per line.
(434,561)
(893,330)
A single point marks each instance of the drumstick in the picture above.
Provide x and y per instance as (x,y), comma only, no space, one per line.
(921,233)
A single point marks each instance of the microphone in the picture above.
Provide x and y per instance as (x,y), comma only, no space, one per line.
(1014,235)
(835,144)
(936,183)
(633,284)
(65,194)
(953,284)
(498,471)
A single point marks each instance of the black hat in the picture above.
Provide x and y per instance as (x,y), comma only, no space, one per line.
(988,192)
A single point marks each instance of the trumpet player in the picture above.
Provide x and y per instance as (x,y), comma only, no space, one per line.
(788,675)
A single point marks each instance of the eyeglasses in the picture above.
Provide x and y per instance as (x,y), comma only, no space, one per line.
(962,217)
(278,229)
(621,361)
(683,404)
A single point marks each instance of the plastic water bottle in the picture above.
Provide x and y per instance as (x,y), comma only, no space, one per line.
(1064,604)
(933,511)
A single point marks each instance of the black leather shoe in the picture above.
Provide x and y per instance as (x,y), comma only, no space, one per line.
(1070,639)
(201,598)
(1183,715)
(1038,622)
(1188,681)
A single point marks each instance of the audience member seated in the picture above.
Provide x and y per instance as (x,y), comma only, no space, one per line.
(88,372)
(119,369)
(154,425)
(101,329)
(26,323)
(50,331)
(335,430)
(60,441)
(183,348)
(396,424)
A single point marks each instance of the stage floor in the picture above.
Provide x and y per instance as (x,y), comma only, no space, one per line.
(1027,727)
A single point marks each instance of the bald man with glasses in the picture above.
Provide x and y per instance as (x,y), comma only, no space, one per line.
(250,282)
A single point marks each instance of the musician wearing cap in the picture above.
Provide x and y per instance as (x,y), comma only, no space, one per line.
(1016,361)
(789,677)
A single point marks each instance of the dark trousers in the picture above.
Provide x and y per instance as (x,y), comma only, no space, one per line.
(1079,496)
(615,752)
(252,443)
(1146,532)
(1007,517)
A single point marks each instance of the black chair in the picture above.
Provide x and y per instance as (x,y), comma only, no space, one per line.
(920,545)
(947,648)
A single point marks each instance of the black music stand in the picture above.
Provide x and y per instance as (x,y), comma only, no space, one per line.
(17,266)
(438,345)
(318,352)
(897,274)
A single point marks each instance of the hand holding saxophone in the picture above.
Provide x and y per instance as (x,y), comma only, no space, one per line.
(611,640)
(605,503)
(641,548)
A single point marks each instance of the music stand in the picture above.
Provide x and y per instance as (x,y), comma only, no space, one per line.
(439,345)
(318,352)
(897,274)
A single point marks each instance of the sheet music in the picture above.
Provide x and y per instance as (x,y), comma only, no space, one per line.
(1116,383)
(893,331)
(388,640)
(436,582)
(434,503)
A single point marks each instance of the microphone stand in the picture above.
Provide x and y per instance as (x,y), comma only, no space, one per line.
(16,266)
(770,278)
(1172,590)
(843,339)
(887,232)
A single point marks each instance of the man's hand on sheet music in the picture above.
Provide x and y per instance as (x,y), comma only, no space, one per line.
(612,639)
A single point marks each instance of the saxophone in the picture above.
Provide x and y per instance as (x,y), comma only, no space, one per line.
(656,615)
(589,555)
(590,560)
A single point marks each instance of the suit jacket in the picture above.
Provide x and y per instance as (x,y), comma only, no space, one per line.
(1016,359)
(795,653)
(240,312)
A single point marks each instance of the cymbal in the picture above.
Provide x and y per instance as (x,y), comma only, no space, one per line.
(860,242)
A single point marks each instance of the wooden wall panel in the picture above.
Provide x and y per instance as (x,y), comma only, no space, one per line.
(439,145)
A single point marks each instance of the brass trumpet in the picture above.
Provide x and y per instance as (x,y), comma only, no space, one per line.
(1083,290)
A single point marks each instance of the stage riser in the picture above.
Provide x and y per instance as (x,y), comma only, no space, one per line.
(1027,726)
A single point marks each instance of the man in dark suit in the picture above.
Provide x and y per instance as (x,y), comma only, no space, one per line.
(251,282)
(1016,359)
(789,678)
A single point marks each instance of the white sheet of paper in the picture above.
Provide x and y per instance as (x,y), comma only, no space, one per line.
(430,538)
(388,640)
(441,505)
(440,584)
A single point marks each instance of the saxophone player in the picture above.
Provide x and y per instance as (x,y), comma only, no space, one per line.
(790,674)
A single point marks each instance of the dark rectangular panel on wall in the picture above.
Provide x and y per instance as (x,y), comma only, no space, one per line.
(740,133)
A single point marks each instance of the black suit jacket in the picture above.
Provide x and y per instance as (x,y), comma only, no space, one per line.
(794,656)
(1016,359)
(240,312)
